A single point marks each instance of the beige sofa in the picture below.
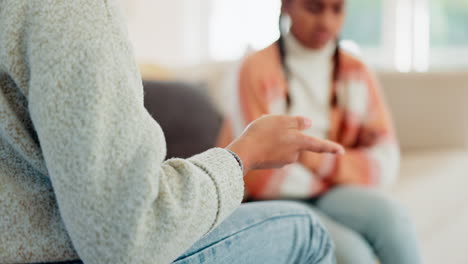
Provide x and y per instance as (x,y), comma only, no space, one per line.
(431,116)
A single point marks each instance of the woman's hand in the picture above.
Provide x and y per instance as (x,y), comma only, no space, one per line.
(274,141)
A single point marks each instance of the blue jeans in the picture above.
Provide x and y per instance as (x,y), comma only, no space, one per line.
(265,232)
(366,226)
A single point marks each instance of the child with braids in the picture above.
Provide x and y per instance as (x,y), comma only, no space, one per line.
(306,73)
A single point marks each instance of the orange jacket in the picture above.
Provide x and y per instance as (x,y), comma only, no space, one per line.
(359,120)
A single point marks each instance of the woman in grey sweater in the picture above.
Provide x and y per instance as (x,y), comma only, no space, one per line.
(82,171)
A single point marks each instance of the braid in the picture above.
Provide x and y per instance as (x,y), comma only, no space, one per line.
(336,61)
(282,53)
(282,49)
(336,71)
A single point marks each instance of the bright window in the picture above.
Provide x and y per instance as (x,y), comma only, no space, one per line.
(449,33)
(449,23)
(239,25)
(364,22)
(403,35)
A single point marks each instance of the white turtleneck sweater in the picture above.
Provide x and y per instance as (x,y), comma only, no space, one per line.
(309,84)
(310,74)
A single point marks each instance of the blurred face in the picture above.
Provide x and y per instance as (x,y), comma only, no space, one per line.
(315,22)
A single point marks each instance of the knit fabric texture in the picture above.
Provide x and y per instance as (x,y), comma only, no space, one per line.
(82,171)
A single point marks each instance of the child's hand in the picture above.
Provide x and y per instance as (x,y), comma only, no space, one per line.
(274,141)
(368,138)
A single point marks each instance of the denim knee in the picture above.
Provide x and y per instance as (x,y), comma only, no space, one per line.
(317,245)
(389,217)
(313,241)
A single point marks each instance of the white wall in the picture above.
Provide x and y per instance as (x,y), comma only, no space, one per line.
(169,32)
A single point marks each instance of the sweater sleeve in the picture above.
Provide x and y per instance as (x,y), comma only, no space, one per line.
(119,200)
(374,158)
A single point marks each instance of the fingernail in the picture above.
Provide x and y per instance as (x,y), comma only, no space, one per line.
(341,151)
(307,122)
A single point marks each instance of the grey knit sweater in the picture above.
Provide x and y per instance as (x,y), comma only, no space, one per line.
(82,171)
